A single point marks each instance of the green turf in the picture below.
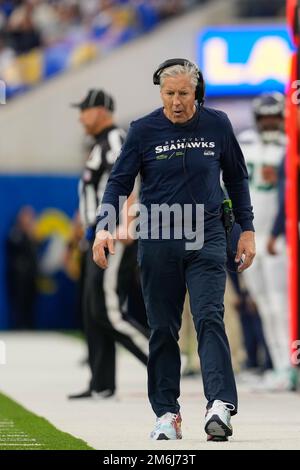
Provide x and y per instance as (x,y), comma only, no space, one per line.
(21,429)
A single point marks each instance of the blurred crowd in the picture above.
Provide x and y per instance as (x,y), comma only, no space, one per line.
(56,27)
(28,24)
(39,38)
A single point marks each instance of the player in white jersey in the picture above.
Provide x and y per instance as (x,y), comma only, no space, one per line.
(266,280)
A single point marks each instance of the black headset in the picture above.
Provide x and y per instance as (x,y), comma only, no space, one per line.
(200,88)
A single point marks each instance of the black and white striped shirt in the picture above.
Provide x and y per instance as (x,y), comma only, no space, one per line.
(97,169)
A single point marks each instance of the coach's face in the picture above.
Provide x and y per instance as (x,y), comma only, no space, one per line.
(178,97)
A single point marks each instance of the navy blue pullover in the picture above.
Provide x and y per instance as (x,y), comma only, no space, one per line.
(181,163)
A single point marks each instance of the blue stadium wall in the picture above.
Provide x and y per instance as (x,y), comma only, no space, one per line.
(54,199)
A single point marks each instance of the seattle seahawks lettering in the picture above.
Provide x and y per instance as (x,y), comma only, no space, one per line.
(180,144)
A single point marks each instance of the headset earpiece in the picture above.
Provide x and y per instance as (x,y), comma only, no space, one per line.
(200,88)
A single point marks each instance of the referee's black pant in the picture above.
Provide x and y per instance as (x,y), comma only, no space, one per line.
(103,321)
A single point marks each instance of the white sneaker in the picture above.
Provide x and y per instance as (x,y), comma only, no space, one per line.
(167,427)
(217,421)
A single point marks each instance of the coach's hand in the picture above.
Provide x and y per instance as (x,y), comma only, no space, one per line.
(245,250)
(103,241)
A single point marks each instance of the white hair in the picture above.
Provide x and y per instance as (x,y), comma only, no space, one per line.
(187,69)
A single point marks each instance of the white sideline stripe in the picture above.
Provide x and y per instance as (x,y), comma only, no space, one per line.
(10,436)
(20,445)
(19,441)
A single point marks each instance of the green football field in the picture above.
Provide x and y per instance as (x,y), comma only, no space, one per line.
(20,430)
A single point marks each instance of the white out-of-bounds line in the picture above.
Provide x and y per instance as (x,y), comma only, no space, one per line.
(11,436)
(18,444)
